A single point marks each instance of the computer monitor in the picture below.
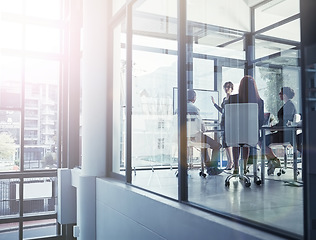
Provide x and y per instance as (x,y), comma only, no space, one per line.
(203,101)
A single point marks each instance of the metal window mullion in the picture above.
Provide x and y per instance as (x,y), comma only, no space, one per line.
(182,100)
(21,210)
(129,94)
(21,183)
(109,101)
(278,24)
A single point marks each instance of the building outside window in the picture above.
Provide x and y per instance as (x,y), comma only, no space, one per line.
(30,72)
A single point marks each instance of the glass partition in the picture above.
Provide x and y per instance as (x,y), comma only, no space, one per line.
(272,58)
(225,41)
(154,72)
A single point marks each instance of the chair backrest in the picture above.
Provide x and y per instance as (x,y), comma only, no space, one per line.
(194,124)
(296,118)
(241,124)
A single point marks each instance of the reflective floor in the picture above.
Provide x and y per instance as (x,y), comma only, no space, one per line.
(275,203)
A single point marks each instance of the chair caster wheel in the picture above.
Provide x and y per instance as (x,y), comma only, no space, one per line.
(202,174)
(226,183)
(298,173)
(279,174)
(258,182)
(247,184)
(283,172)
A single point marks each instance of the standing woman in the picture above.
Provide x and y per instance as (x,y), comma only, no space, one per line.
(285,114)
(228,88)
(247,93)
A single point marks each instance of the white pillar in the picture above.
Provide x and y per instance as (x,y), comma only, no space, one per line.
(93,65)
(94,39)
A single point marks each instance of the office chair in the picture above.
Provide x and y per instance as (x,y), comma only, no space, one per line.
(195,140)
(241,130)
(286,145)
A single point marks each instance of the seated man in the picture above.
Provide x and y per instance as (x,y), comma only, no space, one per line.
(211,164)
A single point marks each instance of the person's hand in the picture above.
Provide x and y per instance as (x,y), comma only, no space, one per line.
(212,100)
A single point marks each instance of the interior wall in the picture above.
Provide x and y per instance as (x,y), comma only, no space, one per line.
(125,212)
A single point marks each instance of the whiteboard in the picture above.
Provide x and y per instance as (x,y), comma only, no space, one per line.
(203,101)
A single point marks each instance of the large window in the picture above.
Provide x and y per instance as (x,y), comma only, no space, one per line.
(224,42)
(30,76)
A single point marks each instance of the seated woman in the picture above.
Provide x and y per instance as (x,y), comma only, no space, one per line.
(285,114)
(247,93)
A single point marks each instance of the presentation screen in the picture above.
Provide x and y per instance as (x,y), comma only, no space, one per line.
(203,101)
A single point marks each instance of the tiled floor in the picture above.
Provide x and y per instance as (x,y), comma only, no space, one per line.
(274,203)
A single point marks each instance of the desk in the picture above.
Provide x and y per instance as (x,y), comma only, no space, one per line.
(293,130)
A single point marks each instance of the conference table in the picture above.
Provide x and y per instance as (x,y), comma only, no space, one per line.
(293,130)
(264,130)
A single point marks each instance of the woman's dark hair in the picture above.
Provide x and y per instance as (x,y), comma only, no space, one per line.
(289,92)
(248,91)
(228,84)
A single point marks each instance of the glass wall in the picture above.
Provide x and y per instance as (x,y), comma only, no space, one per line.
(224,42)
(154,91)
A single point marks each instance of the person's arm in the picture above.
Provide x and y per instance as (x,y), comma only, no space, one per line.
(286,113)
(220,109)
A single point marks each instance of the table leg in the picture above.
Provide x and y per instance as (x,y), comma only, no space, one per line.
(263,154)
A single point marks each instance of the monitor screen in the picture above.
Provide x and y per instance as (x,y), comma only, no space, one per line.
(203,101)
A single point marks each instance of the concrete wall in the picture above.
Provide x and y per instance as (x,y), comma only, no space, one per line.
(125,212)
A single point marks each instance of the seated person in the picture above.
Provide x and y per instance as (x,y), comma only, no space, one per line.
(285,114)
(211,164)
(247,93)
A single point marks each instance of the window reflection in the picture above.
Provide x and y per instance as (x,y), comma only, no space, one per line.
(220,47)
